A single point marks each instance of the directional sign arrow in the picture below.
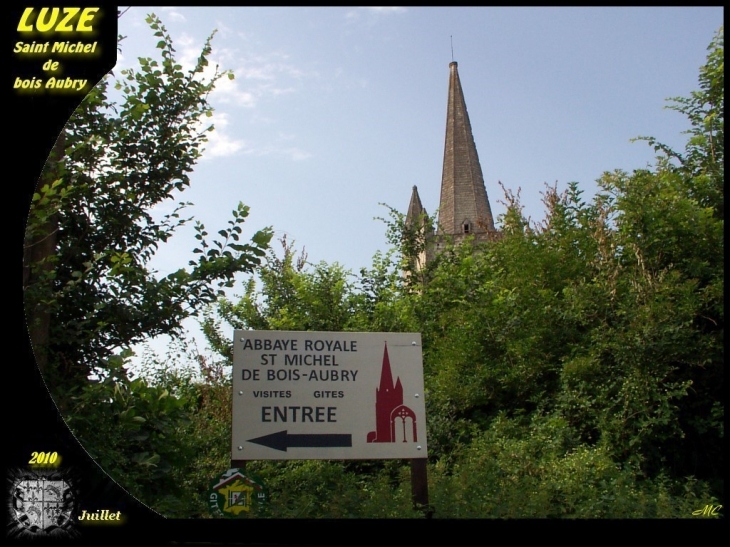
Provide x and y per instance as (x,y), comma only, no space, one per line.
(282,440)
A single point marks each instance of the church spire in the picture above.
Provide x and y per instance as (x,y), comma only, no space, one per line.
(417,217)
(464,207)
(415,208)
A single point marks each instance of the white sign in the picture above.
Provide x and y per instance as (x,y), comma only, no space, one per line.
(327,395)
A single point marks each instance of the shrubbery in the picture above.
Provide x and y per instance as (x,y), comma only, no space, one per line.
(573,368)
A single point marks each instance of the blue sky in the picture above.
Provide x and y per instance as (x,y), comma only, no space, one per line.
(335,110)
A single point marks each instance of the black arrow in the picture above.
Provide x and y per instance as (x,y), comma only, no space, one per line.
(282,440)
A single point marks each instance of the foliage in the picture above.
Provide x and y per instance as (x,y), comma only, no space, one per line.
(535,469)
(140,422)
(573,367)
(90,292)
(704,155)
(317,489)
(295,295)
(114,162)
(165,433)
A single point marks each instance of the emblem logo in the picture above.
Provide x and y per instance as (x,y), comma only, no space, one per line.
(236,492)
(390,412)
(42,505)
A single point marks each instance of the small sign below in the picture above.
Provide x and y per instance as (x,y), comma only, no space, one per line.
(236,492)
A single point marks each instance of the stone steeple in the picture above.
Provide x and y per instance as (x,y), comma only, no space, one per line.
(464,207)
(416,211)
(415,208)
(464,210)
(417,218)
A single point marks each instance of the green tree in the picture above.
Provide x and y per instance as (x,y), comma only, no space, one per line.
(574,367)
(90,292)
(608,315)
(89,289)
(670,238)
(292,294)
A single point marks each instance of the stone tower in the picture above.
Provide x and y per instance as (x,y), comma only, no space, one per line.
(464,208)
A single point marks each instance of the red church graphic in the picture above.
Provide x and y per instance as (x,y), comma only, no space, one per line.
(390,412)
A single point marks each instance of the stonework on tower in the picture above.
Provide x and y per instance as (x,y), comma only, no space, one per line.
(464,209)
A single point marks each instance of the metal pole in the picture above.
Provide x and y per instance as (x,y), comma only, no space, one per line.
(419,486)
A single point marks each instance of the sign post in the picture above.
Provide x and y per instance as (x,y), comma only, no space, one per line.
(327,395)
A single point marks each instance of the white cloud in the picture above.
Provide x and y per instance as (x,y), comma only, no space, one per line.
(220,143)
(257,73)
(255,76)
(229,91)
(292,153)
(288,152)
(186,41)
(385,9)
(256,79)
(297,155)
(173,14)
(370,15)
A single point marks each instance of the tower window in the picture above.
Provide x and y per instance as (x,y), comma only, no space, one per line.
(466,227)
